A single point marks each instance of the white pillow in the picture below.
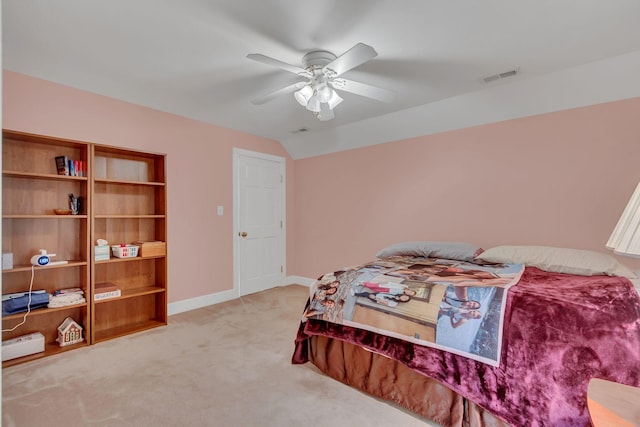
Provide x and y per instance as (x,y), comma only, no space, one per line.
(448,250)
(558,260)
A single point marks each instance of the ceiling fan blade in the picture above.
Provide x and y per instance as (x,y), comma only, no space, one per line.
(283,91)
(363,89)
(325,113)
(359,54)
(277,63)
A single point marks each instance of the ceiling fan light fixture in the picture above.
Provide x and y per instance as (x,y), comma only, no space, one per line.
(325,93)
(303,95)
(334,100)
(323,117)
(313,104)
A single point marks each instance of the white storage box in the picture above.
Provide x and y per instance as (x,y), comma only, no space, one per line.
(22,346)
(126,251)
(7,261)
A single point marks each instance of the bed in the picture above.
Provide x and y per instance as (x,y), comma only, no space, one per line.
(568,316)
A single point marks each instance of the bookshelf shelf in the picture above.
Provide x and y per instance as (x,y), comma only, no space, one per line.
(27,267)
(129,216)
(133,293)
(120,331)
(131,259)
(49,350)
(45,216)
(125,182)
(42,311)
(46,176)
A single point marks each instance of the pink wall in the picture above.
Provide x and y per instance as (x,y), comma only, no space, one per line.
(199,158)
(557,179)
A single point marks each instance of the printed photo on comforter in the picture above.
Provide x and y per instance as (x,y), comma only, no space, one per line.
(447,304)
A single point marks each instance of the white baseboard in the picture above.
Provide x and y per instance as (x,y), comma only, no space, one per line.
(200,302)
(218,297)
(298,280)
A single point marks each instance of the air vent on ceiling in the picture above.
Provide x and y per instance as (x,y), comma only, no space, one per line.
(499,76)
(300,130)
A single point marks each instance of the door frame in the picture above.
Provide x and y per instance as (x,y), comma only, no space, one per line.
(237,153)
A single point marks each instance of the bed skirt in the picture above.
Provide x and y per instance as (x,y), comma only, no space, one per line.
(390,380)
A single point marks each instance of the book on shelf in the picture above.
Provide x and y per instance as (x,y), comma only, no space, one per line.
(79,168)
(106,295)
(104,290)
(70,167)
(105,287)
(62,165)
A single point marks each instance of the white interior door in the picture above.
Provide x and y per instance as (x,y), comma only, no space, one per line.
(259,227)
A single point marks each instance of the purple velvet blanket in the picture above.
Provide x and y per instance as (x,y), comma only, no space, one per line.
(560,331)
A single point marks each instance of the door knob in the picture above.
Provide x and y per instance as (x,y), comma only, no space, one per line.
(242,234)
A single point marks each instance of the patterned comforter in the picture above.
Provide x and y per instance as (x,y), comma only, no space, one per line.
(559,332)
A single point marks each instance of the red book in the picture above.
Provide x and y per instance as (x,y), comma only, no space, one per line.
(104,287)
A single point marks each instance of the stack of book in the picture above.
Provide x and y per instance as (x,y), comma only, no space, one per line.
(105,290)
(70,167)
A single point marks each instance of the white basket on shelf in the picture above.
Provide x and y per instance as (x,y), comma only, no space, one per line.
(126,251)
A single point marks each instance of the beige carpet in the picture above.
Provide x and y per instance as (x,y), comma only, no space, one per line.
(223,365)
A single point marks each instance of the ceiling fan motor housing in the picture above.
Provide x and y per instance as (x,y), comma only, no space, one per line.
(317,59)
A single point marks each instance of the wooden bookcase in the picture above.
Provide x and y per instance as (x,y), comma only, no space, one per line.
(31,190)
(129,204)
(124,200)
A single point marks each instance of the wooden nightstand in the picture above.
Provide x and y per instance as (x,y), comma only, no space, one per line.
(613,405)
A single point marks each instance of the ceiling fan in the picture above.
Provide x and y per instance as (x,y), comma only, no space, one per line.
(323,69)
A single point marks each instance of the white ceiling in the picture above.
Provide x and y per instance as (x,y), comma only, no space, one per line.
(188,57)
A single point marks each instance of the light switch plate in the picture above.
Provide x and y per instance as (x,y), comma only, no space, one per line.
(220,210)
